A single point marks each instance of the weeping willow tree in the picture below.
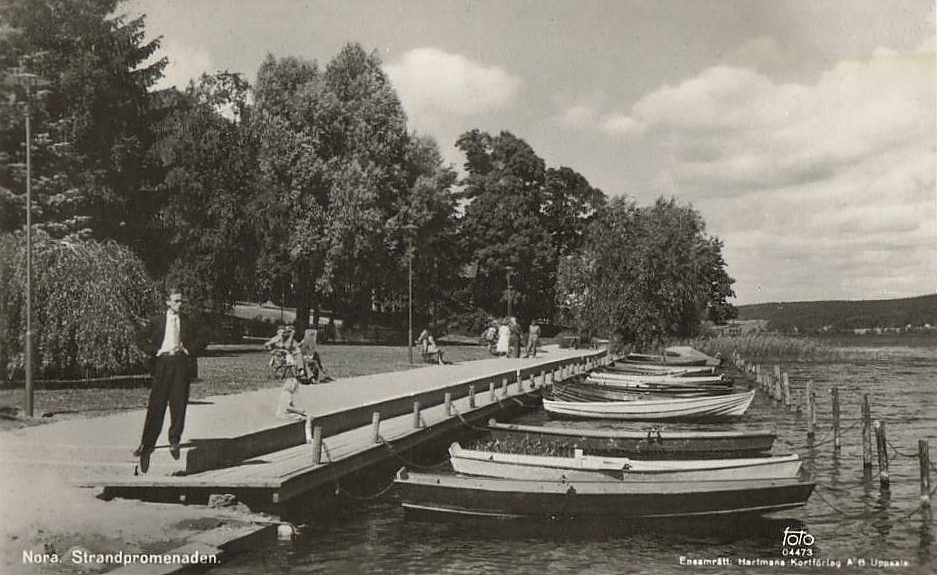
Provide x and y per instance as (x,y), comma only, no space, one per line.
(89,302)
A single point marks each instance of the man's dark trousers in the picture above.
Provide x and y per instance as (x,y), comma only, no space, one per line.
(170,387)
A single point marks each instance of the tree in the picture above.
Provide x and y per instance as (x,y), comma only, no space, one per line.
(503,223)
(91,125)
(92,299)
(332,158)
(205,237)
(645,275)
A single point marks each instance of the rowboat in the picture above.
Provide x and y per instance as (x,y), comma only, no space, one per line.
(682,408)
(610,378)
(581,467)
(654,442)
(676,355)
(655,369)
(453,496)
(595,392)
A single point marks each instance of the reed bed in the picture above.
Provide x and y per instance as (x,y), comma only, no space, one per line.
(767,348)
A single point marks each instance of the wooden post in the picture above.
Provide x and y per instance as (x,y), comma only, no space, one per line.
(316,444)
(881,445)
(866,435)
(448,400)
(786,383)
(491,391)
(472,396)
(836,438)
(811,409)
(778,389)
(416,415)
(923,453)
(504,386)
(376,427)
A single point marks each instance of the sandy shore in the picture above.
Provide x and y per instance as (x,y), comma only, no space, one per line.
(46,514)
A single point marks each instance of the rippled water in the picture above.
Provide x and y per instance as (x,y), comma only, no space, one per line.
(850,516)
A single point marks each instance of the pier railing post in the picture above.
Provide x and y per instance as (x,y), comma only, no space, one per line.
(923,451)
(448,400)
(491,391)
(316,444)
(881,444)
(376,427)
(416,415)
(866,436)
(836,436)
(504,386)
(811,397)
(472,396)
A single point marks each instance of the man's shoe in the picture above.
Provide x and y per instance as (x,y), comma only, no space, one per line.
(138,451)
(145,460)
(174,451)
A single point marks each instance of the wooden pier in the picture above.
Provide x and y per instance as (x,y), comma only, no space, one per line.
(382,416)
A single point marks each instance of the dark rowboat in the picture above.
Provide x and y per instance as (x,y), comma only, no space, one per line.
(458,495)
(652,442)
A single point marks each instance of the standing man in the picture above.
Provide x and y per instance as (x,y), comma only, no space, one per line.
(172,342)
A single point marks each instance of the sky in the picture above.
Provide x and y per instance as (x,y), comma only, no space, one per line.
(803,131)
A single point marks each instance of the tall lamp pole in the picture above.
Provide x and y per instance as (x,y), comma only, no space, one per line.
(410,230)
(510,271)
(28,81)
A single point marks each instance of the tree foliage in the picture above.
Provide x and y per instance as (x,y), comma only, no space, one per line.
(91,124)
(645,274)
(520,215)
(94,299)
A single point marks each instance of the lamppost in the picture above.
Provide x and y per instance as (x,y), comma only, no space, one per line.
(28,81)
(410,230)
(510,272)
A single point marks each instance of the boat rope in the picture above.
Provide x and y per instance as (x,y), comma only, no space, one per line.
(923,505)
(900,452)
(831,435)
(408,462)
(465,422)
(339,490)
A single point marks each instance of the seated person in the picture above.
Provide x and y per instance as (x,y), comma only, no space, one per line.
(308,360)
(429,348)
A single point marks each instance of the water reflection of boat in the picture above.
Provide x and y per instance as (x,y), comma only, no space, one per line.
(459,495)
(581,467)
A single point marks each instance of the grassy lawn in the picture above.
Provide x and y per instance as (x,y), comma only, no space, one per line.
(224,370)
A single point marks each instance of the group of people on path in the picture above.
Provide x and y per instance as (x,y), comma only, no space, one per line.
(504,338)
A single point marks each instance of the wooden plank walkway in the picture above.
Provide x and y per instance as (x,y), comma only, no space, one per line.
(413,410)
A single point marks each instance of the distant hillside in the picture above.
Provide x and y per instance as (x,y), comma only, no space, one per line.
(838,316)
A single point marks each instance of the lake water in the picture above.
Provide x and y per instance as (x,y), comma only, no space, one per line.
(849,517)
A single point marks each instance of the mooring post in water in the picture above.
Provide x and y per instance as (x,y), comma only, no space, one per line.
(472,396)
(882,446)
(376,427)
(836,438)
(923,453)
(866,435)
(416,415)
(448,401)
(316,444)
(786,383)
(778,389)
(811,409)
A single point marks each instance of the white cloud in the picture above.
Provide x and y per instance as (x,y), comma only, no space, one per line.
(435,83)
(830,182)
(186,63)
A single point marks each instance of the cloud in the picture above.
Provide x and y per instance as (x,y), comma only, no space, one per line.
(435,83)
(186,63)
(830,181)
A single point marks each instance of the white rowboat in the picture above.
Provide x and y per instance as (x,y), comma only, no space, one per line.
(684,408)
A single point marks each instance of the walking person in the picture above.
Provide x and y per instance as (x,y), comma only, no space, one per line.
(172,341)
(533,339)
